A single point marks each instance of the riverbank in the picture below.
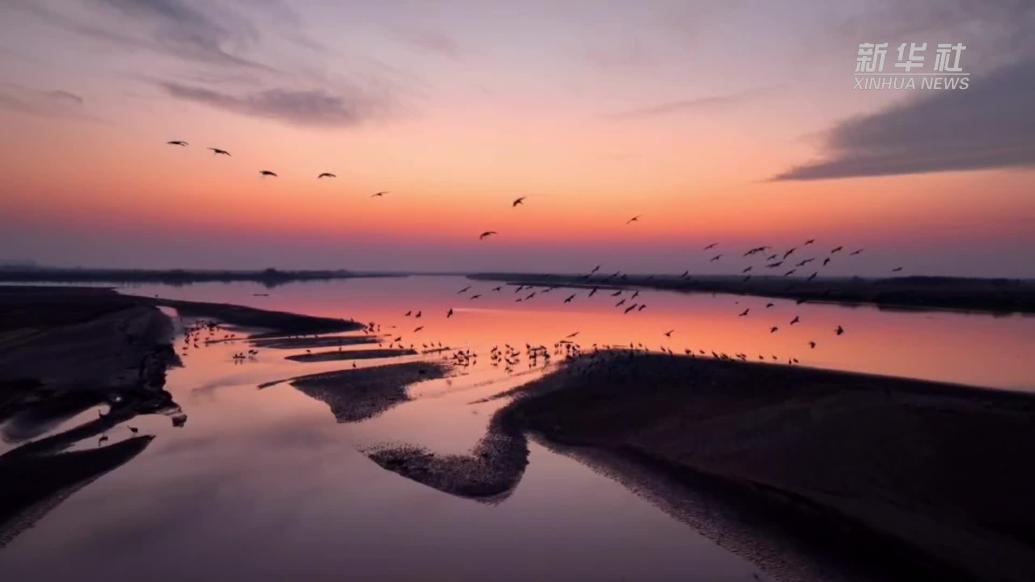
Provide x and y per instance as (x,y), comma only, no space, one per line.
(908,293)
(932,478)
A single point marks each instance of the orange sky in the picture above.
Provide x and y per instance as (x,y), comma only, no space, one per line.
(457,112)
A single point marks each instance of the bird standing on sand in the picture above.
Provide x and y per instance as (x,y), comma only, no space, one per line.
(326,175)
(464,290)
(219,152)
(178,142)
(486,234)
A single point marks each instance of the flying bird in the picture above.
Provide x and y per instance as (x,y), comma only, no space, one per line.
(219,152)
(773,329)
(595,269)
(715,258)
(518,202)
(177,142)
(840,330)
(669,333)
(569,298)
(795,320)
(711,246)
(464,290)
(378,194)
(856,252)
(449,313)
(812,345)
(745,312)
(486,234)
(268,173)
(896,269)
(634,219)
(810,241)
(326,175)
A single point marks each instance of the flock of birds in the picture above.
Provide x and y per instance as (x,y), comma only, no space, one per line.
(773,261)
(803,260)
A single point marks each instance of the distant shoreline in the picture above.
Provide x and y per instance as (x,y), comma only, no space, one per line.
(268,277)
(1001,296)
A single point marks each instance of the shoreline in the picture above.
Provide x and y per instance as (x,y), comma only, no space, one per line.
(889,468)
(995,296)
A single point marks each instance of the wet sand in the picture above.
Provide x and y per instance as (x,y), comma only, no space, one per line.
(934,293)
(933,478)
(355,395)
(346,355)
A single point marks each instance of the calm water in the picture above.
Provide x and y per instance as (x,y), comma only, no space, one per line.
(265,484)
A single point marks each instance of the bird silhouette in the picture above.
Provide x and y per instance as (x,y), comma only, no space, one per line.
(418,328)
(812,345)
(840,330)
(379,194)
(795,320)
(745,312)
(808,242)
(773,329)
(634,219)
(133,429)
(715,258)
(486,234)
(896,270)
(219,152)
(449,313)
(595,269)
(855,252)
(518,202)
(836,250)
(669,333)
(268,173)
(569,298)
(326,175)
(177,142)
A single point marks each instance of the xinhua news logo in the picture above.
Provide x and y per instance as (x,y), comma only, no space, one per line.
(911,69)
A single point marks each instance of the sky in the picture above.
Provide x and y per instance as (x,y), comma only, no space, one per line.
(734,122)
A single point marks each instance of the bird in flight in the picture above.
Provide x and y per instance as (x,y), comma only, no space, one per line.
(812,345)
(745,312)
(326,175)
(219,152)
(856,252)
(711,246)
(595,269)
(795,320)
(486,234)
(569,298)
(378,194)
(518,202)
(464,290)
(634,219)
(449,313)
(418,328)
(178,142)
(268,173)
(773,329)
(810,241)
(840,330)
(896,270)
(715,258)
(669,333)
(572,334)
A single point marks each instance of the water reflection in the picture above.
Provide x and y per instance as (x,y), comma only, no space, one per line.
(266,484)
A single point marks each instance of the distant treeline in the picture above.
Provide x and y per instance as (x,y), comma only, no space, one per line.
(269,277)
